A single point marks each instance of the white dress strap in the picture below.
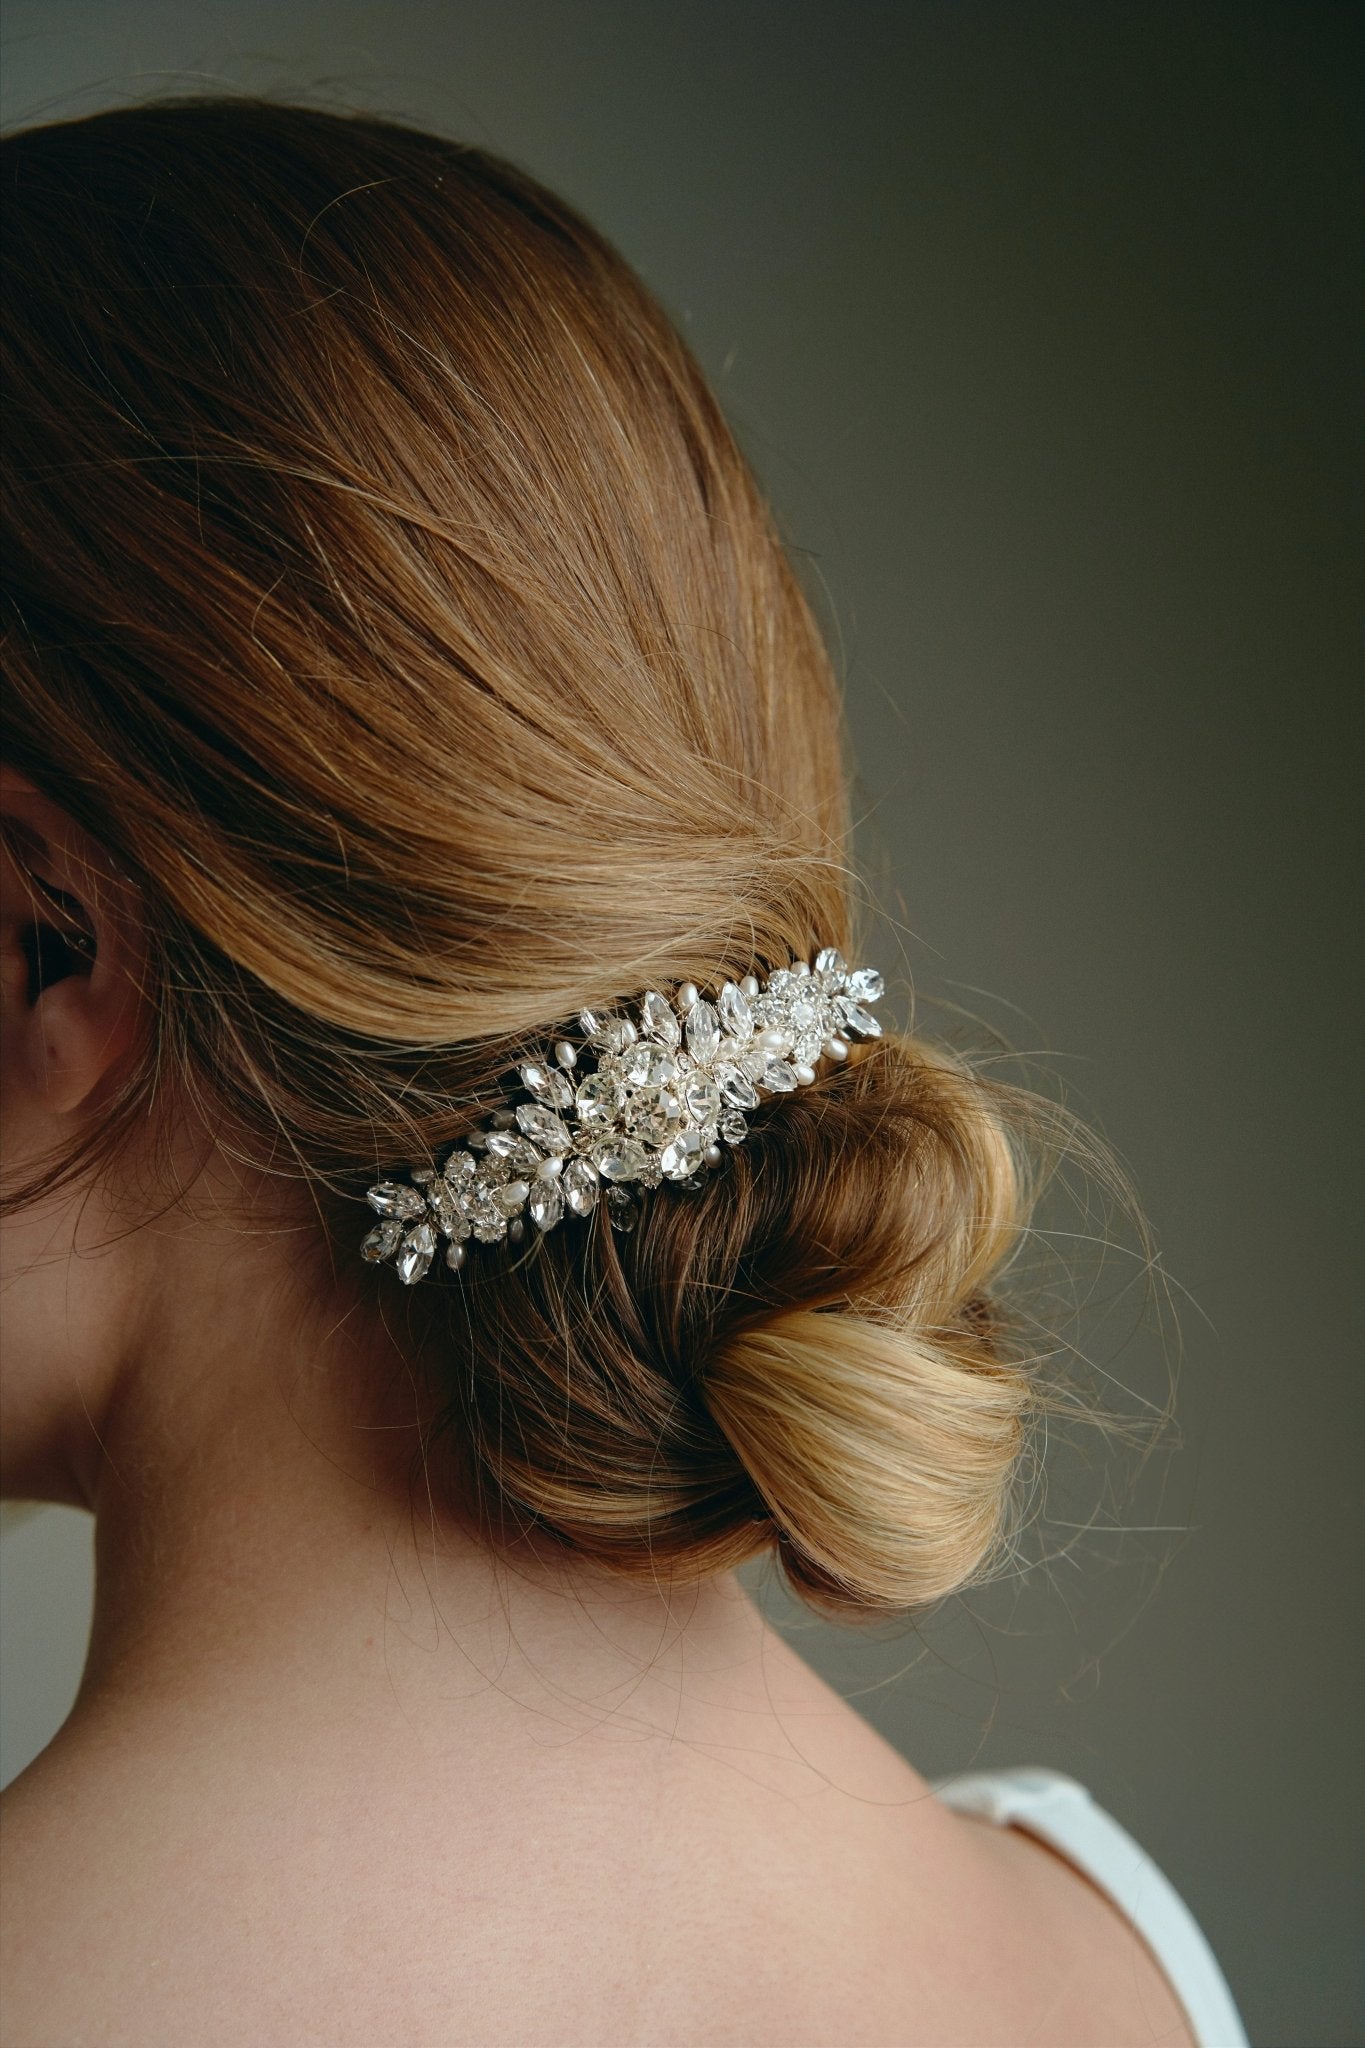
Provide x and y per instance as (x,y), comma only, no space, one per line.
(1061,1813)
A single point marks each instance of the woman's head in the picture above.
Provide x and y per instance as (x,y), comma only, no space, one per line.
(390,607)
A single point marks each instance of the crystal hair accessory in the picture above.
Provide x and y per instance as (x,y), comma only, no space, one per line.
(664,1091)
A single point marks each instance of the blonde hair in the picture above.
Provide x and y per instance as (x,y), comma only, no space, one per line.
(389,596)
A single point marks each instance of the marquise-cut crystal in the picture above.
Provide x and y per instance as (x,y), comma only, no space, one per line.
(703,1030)
(736,1087)
(702,1097)
(777,1078)
(416,1253)
(598,1099)
(829,960)
(382,1241)
(682,1155)
(611,1033)
(519,1153)
(546,1204)
(732,1127)
(735,1015)
(543,1127)
(623,1209)
(580,1185)
(547,1084)
(658,1018)
(395,1198)
(856,1018)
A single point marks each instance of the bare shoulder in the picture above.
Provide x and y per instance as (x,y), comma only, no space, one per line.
(1100,1980)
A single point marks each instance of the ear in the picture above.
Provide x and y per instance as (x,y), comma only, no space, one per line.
(72,955)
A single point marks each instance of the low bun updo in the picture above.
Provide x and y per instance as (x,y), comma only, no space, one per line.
(802,1351)
(387,593)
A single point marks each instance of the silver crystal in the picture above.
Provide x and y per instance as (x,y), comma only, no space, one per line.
(598,1099)
(543,1127)
(546,1204)
(703,1030)
(856,1018)
(777,1078)
(648,1065)
(621,1159)
(580,1186)
(682,1155)
(519,1153)
(382,1241)
(732,1127)
(735,1015)
(829,960)
(658,1018)
(416,1254)
(547,1084)
(652,1113)
(394,1198)
(736,1087)
(702,1097)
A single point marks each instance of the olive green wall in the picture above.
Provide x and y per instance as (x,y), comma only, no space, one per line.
(1040,322)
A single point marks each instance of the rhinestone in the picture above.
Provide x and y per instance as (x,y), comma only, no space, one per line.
(866,985)
(547,1085)
(622,1209)
(702,1097)
(419,1249)
(683,1155)
(735,1015)
(455,1254)
(546,1204)
(732,1127)
(648,1066)
(621,1159)
(652,1113)
(611,1033)
(382,1241)
(521,1156)
(598,1099)
(856,1018)
(754,1065)
(543,1127)
(459,1166)
(829,960)
(657,1019)
(808,1048)
(490,1228)
(777,1078)
(393,1198)
(779,981)
(580,1185)
(736,1088)
(703,1030)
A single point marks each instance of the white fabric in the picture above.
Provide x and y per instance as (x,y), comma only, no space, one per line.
(1061,1813)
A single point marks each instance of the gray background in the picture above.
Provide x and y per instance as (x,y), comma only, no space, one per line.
(1040,323)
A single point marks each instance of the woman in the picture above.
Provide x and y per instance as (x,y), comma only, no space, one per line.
(425,781)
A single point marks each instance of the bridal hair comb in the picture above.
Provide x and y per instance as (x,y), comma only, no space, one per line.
(663,1091)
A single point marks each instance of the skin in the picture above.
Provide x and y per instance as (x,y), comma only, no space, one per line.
(338,1772)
